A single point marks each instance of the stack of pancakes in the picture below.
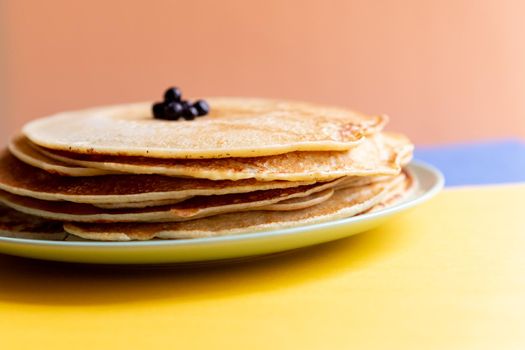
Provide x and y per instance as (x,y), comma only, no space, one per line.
(115,173)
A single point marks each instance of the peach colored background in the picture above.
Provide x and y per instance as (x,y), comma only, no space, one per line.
(445,70)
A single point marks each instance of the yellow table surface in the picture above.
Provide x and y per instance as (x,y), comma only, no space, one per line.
(447,275)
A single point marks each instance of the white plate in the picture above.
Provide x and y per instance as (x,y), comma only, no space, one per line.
(429,182)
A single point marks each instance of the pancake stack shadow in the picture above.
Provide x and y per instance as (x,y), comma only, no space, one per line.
(117,174)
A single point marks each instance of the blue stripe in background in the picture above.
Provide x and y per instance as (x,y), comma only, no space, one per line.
(494,162)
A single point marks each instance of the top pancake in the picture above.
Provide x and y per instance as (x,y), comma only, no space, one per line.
(235,127)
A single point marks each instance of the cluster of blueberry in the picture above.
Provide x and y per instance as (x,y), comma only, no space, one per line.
(173,107)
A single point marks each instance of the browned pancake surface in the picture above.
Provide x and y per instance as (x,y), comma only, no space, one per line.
(15,174)
(19,225)
(378,155)
(344,203)
(200,205)
(23,150)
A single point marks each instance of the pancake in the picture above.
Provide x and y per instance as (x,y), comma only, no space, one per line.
(144,204)
(291,204)
(196,207)
(344,203)
(23,150)
(381,154)
(300,203)
(235,127)
(21,179)
(14,224)
(397,194)
(354,181)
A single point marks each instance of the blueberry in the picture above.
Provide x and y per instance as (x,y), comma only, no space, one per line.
(173,94)
(191,113)
(185,104)
(174,107)
(173,111)
(202,107)
(158,110)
